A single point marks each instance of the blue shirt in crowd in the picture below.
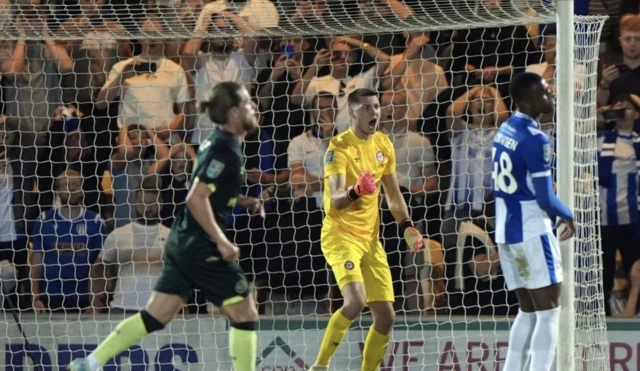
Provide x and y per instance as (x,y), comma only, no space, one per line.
(70,247)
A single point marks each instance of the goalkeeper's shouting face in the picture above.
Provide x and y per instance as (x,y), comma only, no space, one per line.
(364,111)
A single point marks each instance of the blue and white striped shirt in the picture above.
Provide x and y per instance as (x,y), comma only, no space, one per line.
(618,177)
(471,169)
(522,153)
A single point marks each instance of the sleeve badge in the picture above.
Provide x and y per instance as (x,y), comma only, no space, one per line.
(546,153)
(329,157)
(215,169)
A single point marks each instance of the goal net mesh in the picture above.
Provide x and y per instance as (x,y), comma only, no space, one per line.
(100,130)
(590,330)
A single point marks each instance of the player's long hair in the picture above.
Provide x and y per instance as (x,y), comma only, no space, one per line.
(224,96)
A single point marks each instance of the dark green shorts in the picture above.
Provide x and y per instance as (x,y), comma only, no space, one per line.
(200,267)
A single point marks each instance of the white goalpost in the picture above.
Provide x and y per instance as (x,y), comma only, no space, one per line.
(583,317)
(72,106)
(566,82)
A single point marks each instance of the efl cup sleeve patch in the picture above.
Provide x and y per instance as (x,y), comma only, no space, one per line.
(329,157)
(546,152)
(215,169)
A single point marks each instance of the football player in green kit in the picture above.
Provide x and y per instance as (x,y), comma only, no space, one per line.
(198,255)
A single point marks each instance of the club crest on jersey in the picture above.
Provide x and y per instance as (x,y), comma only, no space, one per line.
(241,287)
(380,157)
(215,169)
(349,265)
(329,157)
(546,153)
(81,229)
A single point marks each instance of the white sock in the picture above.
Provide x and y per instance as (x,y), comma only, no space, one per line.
(94,365)
(544,340)
(520,341)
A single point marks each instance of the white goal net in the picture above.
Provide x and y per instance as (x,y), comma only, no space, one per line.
(100,127)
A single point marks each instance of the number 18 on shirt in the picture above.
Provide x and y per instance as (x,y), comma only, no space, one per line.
(524,201)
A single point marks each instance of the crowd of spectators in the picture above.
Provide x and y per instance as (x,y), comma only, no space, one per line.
(98,135)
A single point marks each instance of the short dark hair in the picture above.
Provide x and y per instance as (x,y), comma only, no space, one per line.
(549,30)
(626,98)
(322,95)
(150,183)
(224,96)
(521,86)
(354,97)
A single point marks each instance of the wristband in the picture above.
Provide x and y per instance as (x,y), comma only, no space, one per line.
(404,225)
(351,194)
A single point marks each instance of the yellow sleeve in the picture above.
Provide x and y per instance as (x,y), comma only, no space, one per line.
(391,164)
(335,162)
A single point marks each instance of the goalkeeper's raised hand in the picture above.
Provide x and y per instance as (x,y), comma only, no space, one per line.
(366,185)
(412,236)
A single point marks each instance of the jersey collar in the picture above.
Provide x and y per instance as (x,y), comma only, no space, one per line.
(358,140)
(80,216)
(532,122)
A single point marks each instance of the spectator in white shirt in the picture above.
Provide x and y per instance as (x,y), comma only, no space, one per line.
(340,57)
(416,171)
(153,90)
(211,60)
(306,161)
(30,72)
(473,119)
(131,258)
(415,161)
(306,151)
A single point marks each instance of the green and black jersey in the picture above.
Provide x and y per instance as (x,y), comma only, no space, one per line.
(219,165)
(192,259)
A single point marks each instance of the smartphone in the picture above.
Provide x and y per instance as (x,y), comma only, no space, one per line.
(145,67)
(287,50)
(623,68)
(613,114)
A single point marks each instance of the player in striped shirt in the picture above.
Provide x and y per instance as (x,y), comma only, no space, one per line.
(525,201)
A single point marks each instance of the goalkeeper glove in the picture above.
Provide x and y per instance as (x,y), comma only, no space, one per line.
(412,236)
(366,185)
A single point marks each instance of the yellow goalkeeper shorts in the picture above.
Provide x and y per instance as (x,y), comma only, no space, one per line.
(357,261)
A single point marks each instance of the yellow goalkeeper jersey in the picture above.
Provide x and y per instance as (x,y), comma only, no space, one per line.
(349,155)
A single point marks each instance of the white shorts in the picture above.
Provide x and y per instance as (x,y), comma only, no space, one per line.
(532,264)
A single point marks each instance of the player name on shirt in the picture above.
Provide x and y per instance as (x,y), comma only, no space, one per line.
(509,143)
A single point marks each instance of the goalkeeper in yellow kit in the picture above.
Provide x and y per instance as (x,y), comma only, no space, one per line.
(355,161)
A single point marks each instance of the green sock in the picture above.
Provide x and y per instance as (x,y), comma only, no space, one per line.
(126,334)
(243,347)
